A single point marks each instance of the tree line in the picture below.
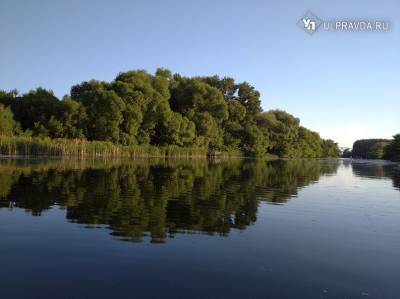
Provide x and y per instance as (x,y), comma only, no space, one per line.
(388,149)
(138,108)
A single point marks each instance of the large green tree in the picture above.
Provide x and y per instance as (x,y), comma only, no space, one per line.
(38,111)
(103,107)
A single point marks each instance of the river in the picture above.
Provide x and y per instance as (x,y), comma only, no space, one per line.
(154,228)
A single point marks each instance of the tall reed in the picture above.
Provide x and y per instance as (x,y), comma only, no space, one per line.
(37,146)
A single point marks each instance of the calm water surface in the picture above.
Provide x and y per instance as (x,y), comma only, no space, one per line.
(199,229)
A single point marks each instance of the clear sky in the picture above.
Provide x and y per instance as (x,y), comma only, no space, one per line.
(345,85)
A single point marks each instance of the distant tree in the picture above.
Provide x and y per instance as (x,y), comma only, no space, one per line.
(207,128)
(8,126)
(254,142)
(165,73)
(310,144)
(73,119)
(147,107)
(35,109)
(369,148)
(226,86)
(377,150)
(283,129)
(205,106)
(249,97)
(392,150)
(330,148)
(347,153)
(175,130)
(8,98)
(191,96)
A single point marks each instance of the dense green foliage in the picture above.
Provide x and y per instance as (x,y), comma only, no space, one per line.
(392,150)
(139,109)
(347,153)
(375,149)
(8,126)
(369,148)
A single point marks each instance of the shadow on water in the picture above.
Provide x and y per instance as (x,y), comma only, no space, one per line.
(157,198)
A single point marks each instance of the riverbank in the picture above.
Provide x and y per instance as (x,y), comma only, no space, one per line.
(37,146)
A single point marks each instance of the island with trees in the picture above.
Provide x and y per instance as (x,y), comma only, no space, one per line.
(139,113)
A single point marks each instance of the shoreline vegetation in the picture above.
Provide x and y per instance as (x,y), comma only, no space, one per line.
(144,115)
(37,146)
(381,149)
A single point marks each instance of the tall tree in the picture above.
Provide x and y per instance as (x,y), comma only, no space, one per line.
(103,107)
(8,126)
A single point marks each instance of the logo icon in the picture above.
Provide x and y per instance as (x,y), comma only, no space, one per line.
(309,23)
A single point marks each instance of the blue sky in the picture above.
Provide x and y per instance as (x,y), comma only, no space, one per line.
(345,85)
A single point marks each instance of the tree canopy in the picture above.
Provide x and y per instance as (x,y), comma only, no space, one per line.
(375,149)
(369,148)
(139,108)
(392,149)
(8,126)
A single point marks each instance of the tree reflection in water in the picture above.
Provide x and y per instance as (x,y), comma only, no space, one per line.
(156,198)
(377,169)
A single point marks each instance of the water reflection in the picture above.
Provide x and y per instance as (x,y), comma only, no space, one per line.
(377,170)
(156,198)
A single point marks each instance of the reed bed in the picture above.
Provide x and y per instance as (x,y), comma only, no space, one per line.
(37,146)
